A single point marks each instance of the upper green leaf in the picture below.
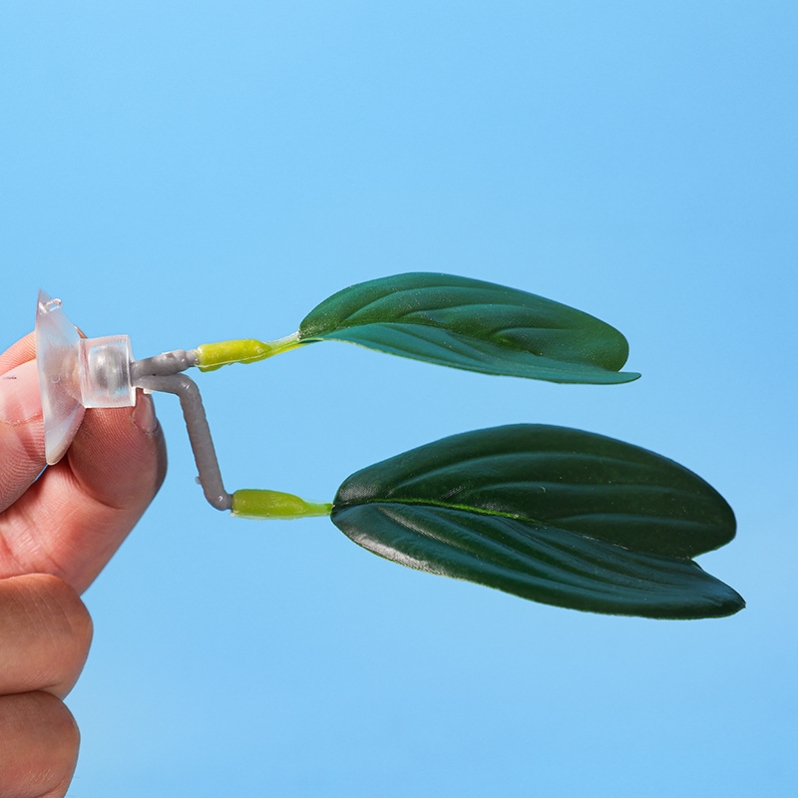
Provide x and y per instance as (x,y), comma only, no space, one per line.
(551,514)
(473,325)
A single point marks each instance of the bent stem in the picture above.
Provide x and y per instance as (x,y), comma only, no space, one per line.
(246,350)
(162,373)
(199,433)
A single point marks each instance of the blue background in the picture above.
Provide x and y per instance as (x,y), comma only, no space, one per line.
(190,172)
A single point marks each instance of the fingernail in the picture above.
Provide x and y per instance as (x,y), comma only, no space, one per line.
(144,414)
(19,394)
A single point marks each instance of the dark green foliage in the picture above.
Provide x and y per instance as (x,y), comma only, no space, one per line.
(551,514)
(473,325)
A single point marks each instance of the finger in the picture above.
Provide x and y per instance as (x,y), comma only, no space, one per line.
(21,431)
(20,352)
(76,515)
(39,741)
(45,634)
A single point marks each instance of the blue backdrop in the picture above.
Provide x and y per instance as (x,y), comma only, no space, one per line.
(189,172)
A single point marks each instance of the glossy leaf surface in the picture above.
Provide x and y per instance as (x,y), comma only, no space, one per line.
(550,514)
(474,325)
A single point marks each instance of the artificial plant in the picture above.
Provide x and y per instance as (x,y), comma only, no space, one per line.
(552,514)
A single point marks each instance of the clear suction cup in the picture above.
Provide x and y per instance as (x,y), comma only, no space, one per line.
(76,373)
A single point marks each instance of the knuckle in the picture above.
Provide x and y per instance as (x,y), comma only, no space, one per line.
(63,734)
(63,627)
(62,603)
(40,740)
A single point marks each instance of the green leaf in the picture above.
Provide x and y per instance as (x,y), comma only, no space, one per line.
(550,514)
(473,325)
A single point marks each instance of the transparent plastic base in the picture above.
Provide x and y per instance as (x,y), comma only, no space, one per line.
(76,373)
(104,369)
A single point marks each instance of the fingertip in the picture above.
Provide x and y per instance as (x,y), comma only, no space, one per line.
(119,455)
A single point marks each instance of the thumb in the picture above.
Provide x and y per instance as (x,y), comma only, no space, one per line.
(21,432)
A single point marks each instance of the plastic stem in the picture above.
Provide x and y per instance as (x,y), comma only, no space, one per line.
(199,433)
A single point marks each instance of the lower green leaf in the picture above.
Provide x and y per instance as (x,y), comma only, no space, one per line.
(556,515)
(544,564)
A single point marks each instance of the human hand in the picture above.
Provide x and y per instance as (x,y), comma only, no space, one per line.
(56,534)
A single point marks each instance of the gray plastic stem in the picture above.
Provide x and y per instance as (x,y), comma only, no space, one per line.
(199,432)
(167,363)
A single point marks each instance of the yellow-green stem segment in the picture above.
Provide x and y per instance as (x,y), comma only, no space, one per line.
(245,350)
(273,504)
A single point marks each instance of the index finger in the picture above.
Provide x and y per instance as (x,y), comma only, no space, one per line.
(21,425)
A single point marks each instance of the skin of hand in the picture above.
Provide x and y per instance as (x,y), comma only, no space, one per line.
(58,527)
